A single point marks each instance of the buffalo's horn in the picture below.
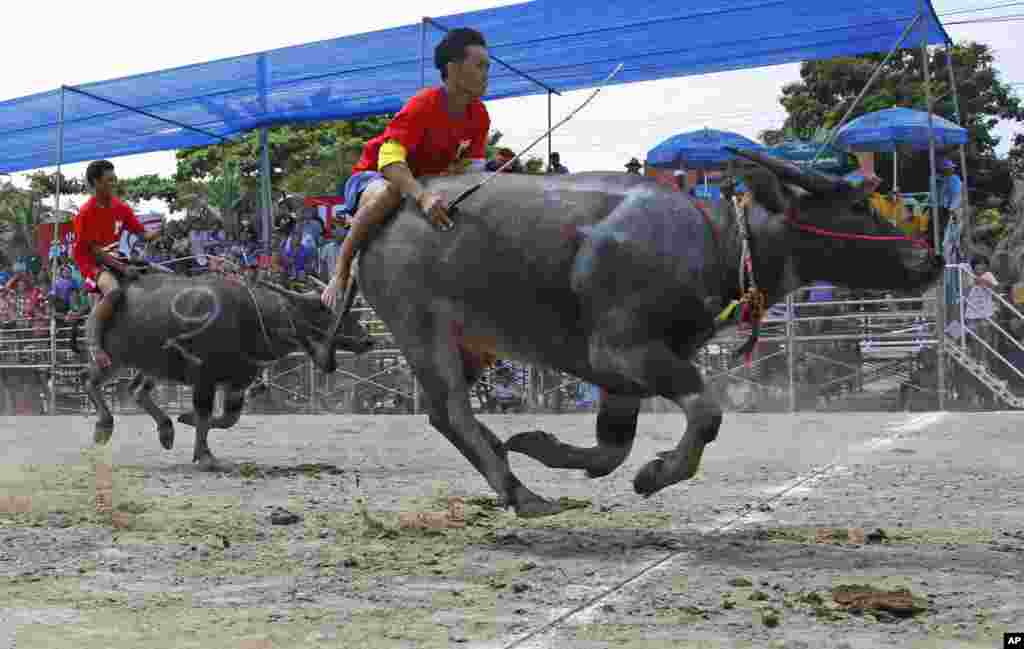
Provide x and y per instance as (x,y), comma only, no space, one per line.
(812,180)
(280,290)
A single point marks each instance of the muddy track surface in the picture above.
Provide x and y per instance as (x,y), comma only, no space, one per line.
(838,530)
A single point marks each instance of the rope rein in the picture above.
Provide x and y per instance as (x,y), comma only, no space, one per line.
(753,301)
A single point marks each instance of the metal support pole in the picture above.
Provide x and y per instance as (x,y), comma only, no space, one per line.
(53,266)
(415,394)
(312,388)
(871,82)
(265,197)
(966,218)
(423,52)
(791,350)
(549,128)
(940,302)
(265,193)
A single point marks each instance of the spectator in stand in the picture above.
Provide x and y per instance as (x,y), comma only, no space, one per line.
(61,291)
(679,177)
(328,255)
(5,275)
(284,224)
(950,195)
(293,256)
(35,312)
(980,305)
(633,166)
(555,165)
(312,226)
(247,232)
(502,156)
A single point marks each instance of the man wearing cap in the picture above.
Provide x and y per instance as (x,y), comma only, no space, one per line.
(950,195)
(633,166)
(555,165)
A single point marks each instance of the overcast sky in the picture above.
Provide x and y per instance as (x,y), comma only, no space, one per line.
(80,42)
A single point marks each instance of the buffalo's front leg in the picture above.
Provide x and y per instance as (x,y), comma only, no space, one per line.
(234,404)
(616,430)
(202,406)
(142,390)
(654,366)
(703,419)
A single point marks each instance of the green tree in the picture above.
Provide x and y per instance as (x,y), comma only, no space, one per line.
(17,221)
(303,158)
(148,187)
(224,192)
(44,185)
(1016,156)
(827,89)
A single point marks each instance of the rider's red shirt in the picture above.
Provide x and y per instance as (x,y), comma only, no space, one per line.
(432,138)
(95,224)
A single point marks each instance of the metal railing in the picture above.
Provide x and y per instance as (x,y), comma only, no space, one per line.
(970,346)
(819,351)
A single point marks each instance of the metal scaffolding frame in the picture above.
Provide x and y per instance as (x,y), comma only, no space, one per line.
(888,341)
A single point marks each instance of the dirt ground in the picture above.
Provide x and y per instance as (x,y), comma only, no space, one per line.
(773,544)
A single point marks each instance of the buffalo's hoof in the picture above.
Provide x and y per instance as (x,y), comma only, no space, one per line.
(209,464)
(102,431)
(530,505)
(668,468)
(600,471)
(166,433)
(650,479)
(531,442)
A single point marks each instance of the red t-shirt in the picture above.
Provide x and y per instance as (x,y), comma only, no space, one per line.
(102,226)
(432,138)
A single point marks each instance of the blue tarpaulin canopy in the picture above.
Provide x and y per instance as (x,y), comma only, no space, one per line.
(553,45)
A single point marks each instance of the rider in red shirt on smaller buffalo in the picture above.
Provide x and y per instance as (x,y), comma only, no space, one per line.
(98,224)
(440,131)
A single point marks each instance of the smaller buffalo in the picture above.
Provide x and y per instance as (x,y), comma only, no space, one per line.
(208,332)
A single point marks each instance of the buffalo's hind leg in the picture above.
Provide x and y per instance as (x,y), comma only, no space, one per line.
(202,407)
(616,430)
(142,389)
(94,377)
(440,365)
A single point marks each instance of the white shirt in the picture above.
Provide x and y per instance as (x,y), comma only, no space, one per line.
(980,303)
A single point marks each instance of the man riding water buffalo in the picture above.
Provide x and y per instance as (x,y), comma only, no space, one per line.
(440,131)
(97,225)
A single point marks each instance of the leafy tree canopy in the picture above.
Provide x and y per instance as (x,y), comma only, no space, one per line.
(827,88)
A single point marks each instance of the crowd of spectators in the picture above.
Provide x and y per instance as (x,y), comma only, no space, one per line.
(303,243)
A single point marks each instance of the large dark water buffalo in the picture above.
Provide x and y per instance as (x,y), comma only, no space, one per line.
(209,332)
(616,280)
